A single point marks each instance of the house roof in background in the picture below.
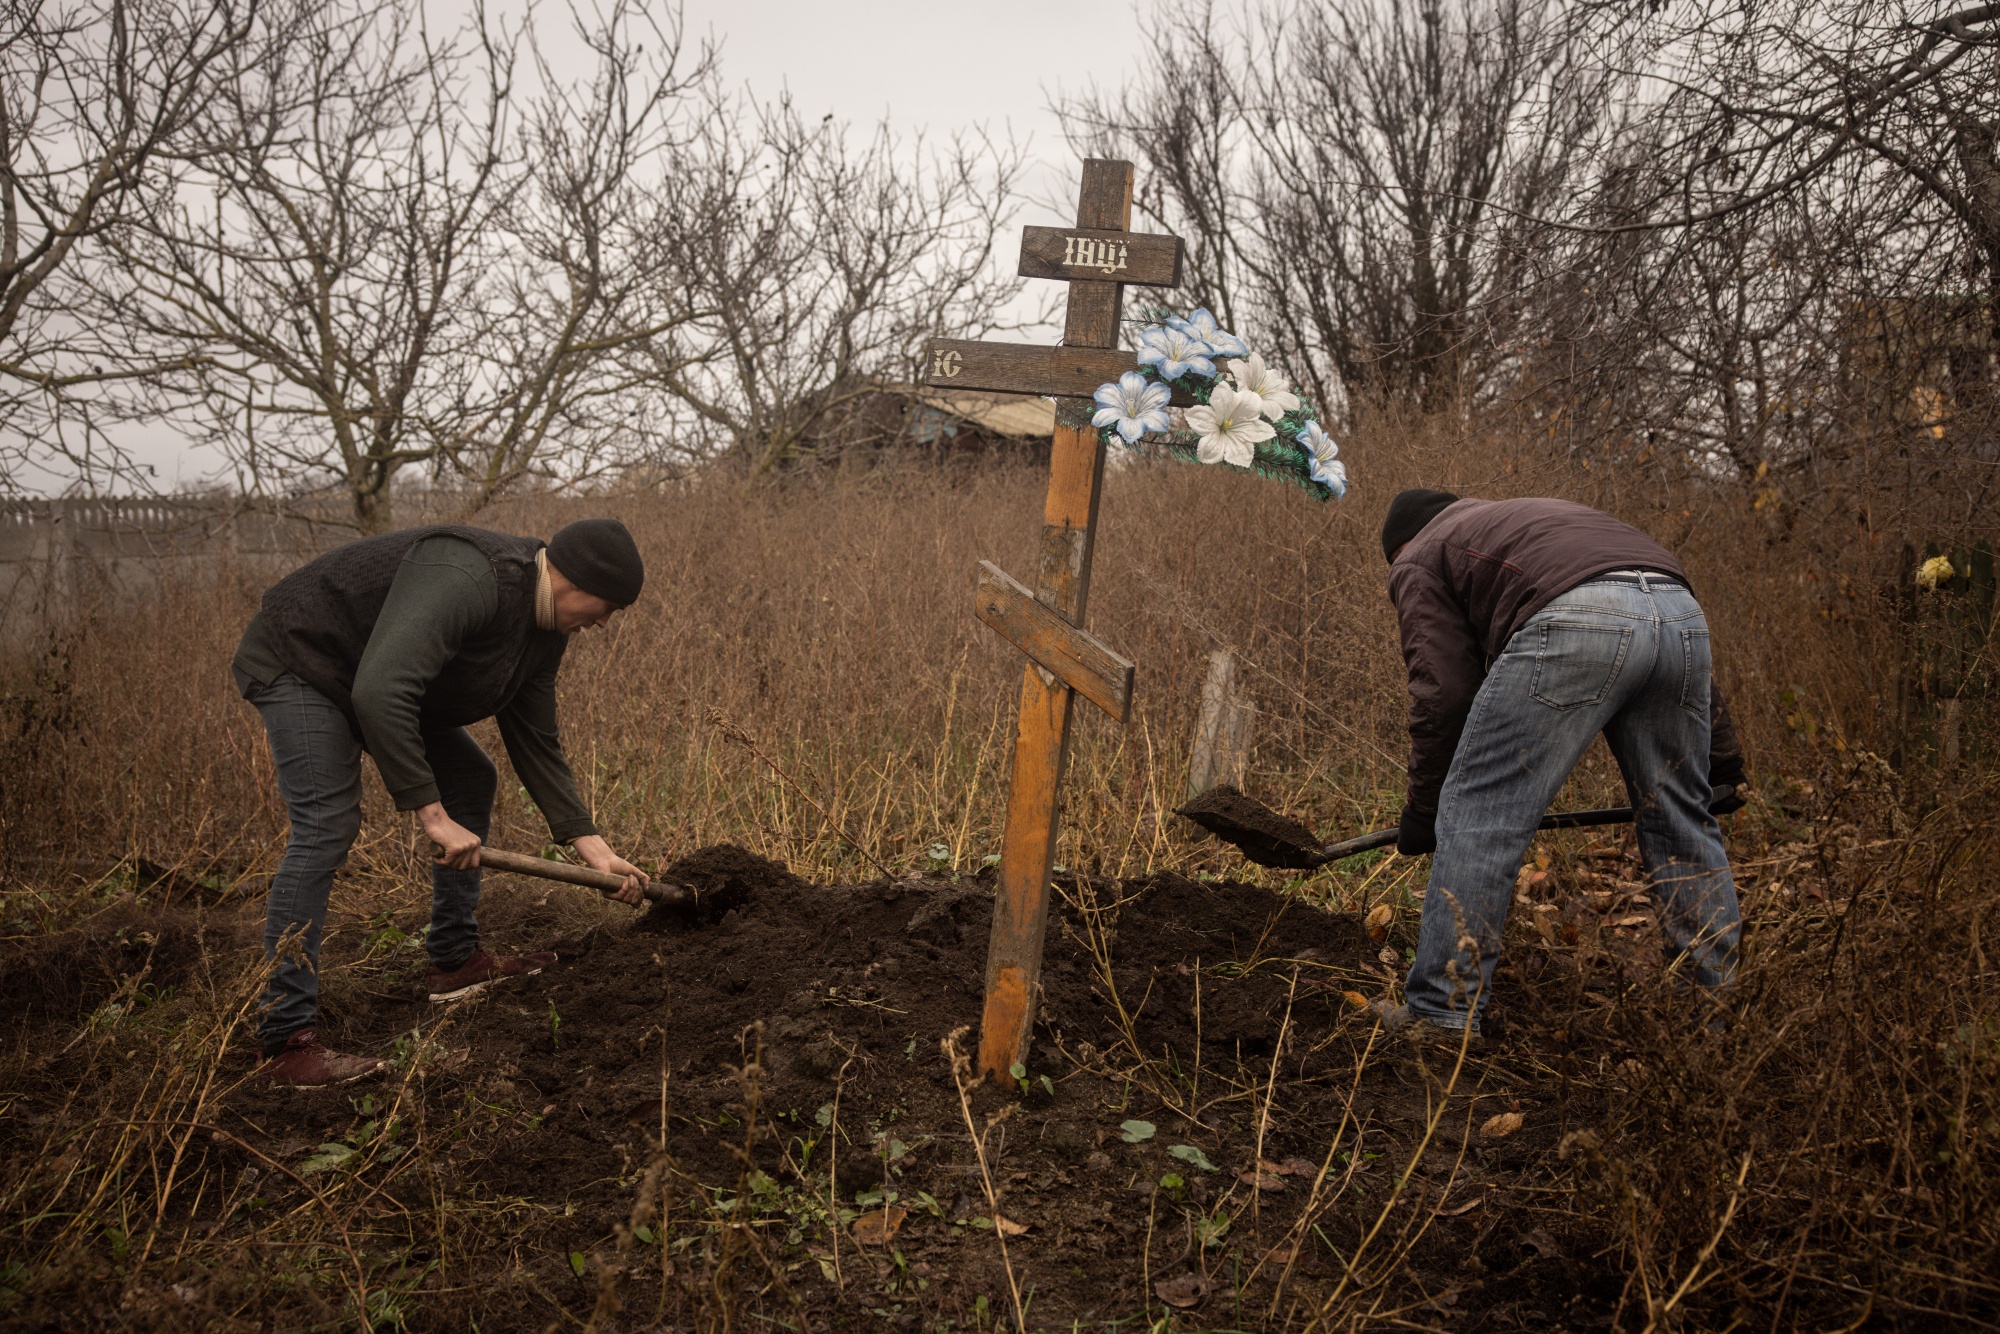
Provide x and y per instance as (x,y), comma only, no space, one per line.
(1003,414)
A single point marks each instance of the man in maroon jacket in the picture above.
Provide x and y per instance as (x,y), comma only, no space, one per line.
(1529,626)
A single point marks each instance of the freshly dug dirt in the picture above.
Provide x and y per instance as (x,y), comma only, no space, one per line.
(722,877)
(786,1052)
(1265,837)
(847,992)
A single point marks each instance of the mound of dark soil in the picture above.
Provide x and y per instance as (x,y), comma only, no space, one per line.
(783,1042)
(722,877)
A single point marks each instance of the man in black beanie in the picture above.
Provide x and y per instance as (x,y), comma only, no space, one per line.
(1528,627)
(392,645)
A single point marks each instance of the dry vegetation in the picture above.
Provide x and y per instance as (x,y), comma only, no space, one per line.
(1826,1161)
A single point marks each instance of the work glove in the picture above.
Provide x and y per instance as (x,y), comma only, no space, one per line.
(1724,800)
(1417,834)
(1729,773)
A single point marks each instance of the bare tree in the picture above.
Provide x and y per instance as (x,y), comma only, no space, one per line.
(1780,273)
(1356,202)
(379,270)
(91,95)
(582,268)
(816,267)
(1765,99)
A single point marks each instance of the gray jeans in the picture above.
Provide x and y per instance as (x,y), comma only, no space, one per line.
(318,761)
(1630,660)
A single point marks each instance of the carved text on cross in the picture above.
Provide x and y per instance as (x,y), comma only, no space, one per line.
(1096,257)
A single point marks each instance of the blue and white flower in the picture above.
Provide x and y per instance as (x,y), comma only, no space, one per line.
(1273,391)
(1327,469)
(1132,406)
(1204,326)
(1174,352)
(1230,425)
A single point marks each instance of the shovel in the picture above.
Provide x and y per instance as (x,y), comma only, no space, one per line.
(494,859)
(1270,839)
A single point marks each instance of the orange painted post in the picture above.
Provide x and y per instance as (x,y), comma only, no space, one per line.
(1041,742)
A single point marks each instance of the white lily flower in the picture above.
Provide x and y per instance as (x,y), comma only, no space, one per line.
(1133,406)
(1327,469)
(1230,425)
(1175,352)
(1272,389)
(1204,326)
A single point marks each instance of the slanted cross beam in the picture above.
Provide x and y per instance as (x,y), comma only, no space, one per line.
(1096,257)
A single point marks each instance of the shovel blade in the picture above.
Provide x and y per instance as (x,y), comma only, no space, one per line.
(1260,833)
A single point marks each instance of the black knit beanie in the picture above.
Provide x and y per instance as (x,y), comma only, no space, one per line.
(600,557)
(1408,513)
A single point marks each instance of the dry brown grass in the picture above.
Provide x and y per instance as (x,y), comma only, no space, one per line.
(1831,1153)
(831,620)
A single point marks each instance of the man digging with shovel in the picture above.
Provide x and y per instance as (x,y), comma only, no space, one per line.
(391,645)
(1528,627)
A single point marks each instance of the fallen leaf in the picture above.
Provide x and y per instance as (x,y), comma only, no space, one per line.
(1298,1167)
(1390,957)
(1355,998)
(1183,1292)
(329,1157)
(1541,1241)
(875,1227)
(1279,1255)
(1465,1208)
(1634,919)
(1633,1073)
(1378,921)
(1007,1227)
(1503,1125)
(1262,1180)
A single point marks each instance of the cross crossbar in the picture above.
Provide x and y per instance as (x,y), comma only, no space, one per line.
(1080,660)
(1026,368)
(1084,254)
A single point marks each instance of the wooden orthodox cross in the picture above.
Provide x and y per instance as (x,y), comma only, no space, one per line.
(1097,257)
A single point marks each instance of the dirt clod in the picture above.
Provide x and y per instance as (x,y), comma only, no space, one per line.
(723,877)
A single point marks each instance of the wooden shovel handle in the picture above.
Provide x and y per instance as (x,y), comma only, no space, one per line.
(496,859)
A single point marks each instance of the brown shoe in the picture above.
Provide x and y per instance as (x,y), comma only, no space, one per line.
(471,977)
(305,1063)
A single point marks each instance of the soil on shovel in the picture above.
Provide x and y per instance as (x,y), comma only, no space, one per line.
(1263,835)
(775,1055)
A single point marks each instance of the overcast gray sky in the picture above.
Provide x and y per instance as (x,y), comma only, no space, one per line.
(940,66)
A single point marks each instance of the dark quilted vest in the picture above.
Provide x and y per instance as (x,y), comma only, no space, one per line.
(321,615)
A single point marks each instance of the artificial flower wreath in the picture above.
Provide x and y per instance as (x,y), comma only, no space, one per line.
(1245,414)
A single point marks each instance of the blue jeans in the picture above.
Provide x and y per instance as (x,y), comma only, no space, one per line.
(1632,661)
(318,761)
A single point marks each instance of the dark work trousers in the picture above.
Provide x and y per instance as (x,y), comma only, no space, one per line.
(318,762)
